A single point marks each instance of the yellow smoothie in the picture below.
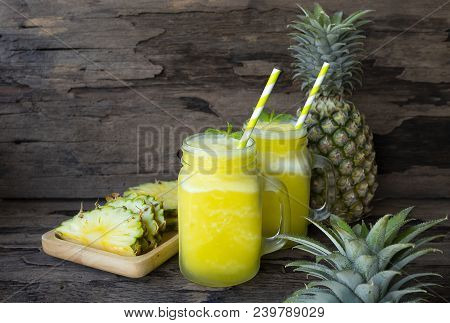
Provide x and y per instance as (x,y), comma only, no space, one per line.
(220,219)
(282,153)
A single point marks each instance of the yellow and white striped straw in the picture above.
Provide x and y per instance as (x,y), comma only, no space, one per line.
(312,95)
(259,107)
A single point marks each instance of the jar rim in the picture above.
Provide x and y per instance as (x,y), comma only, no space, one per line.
(191,148)
(280,134)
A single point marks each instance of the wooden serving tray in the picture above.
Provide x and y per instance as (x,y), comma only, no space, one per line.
(133,267)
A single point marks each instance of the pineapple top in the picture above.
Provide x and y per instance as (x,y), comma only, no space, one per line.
(320,38)
(363,264)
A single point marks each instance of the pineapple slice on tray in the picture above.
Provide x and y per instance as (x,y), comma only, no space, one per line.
(150,210)
(125,225)
(164,191)
(119,231)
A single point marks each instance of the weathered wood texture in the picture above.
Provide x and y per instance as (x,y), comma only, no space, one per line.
(29,275)
(78,79)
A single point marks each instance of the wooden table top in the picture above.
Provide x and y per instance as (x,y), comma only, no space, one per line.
(29,275)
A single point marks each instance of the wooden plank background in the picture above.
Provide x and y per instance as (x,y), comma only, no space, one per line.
(78,79)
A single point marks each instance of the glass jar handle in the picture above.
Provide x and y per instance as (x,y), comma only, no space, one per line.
(323,163)
(272,184)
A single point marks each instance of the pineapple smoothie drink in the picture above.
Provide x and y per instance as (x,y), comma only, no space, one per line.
(283,153)
(220,212)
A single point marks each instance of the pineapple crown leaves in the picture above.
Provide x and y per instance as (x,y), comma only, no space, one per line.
(319,38)
(228,132)
(366,260)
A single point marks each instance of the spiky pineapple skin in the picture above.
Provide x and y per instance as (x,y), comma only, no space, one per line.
(164,191)
(148,208)
(338,131)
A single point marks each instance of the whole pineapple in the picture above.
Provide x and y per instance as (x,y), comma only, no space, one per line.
(367,265)
(336,129)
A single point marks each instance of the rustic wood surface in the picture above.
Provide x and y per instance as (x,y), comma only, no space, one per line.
(78,79)
(86,85)
(29,275)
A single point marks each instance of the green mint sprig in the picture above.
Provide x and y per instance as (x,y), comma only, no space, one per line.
(272,117)
(228,132)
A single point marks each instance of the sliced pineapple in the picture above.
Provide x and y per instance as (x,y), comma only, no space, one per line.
(116,230)
(164,191)
(147,207)
(137,210)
